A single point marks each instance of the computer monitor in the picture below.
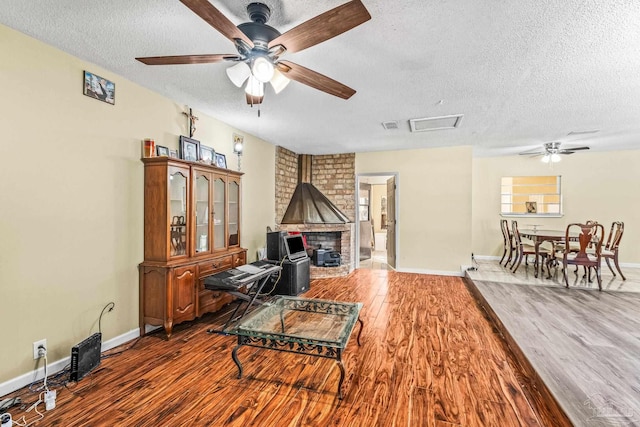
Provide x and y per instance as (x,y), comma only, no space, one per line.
(294,244)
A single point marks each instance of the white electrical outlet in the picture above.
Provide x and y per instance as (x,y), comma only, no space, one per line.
(36,351)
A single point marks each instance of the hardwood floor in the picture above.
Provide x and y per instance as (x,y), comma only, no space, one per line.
(582,344)
(429,357)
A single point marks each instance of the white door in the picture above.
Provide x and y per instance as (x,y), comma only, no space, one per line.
(391,222)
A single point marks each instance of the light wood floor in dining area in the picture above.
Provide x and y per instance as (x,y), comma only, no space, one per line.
(429,357)
(581,343)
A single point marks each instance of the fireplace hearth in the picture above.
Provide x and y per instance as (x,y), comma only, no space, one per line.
(338,237)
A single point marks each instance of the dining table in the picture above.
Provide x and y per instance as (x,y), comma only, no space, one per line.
(537,236)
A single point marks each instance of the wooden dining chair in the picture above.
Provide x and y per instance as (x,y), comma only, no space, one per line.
(574,246)
(586,256)
(507,238)
(523,250)
(610,249)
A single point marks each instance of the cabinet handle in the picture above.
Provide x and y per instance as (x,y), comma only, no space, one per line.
(214,265)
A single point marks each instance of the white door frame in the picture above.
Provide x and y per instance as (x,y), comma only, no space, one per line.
(386,175)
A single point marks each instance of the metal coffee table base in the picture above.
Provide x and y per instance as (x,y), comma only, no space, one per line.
(317,349)
(309,326)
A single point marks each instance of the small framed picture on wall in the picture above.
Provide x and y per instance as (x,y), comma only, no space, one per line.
(99,88)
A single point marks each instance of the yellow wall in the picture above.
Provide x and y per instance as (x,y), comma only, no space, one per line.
(434,205)
(596,186)
(71,197)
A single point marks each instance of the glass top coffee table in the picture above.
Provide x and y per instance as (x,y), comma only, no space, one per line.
(313,327)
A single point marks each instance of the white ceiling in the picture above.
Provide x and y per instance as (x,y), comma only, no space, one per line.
(522,72)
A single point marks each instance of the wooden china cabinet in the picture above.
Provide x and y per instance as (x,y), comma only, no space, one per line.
(191,231)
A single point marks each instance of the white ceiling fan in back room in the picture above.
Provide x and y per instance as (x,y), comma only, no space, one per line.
(260,47)
(551,152)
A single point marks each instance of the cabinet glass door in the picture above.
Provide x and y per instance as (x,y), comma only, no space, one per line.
(178,213)
(234,213)
(219,213)
(202,192)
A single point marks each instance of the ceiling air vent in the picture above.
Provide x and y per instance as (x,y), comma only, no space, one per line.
(390,125)
(435,123)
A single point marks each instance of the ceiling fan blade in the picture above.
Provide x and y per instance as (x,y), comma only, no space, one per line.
(323,27)
(533,152)
(217,20)
(576,148)
(566,151)
(187,59)
(539,153)
(314,79)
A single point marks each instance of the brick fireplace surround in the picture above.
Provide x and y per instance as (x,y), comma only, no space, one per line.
(334,175)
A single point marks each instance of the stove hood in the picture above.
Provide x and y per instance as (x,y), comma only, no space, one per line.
(308,205)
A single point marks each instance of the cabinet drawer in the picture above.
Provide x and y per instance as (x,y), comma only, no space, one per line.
(239,259)
(210,267)
(211,301)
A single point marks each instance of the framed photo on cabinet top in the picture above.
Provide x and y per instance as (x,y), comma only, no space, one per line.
(189,148)
(221,160)
(162,151)
(206,154)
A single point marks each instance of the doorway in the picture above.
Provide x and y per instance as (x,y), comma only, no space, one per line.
(375,227)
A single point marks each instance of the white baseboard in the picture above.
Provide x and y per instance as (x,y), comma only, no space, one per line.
(487,257)
(497,258)
(57,366)
(628,265)
(433,272)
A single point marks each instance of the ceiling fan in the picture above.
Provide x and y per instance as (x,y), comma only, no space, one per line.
(260,46)
(551,151)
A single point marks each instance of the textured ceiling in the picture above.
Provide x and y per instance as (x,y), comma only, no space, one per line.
(522,72)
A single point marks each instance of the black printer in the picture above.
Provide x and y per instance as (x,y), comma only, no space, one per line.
(326,258)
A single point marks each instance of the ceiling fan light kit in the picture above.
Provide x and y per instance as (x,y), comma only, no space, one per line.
(551,158)
(279,81)
(254,87)
(259,47)
(239,73)
(262,69)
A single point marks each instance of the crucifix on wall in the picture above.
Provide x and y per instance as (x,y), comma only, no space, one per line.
(192,122)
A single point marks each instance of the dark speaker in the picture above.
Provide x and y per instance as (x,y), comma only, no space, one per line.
(294,279)
(275,245)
